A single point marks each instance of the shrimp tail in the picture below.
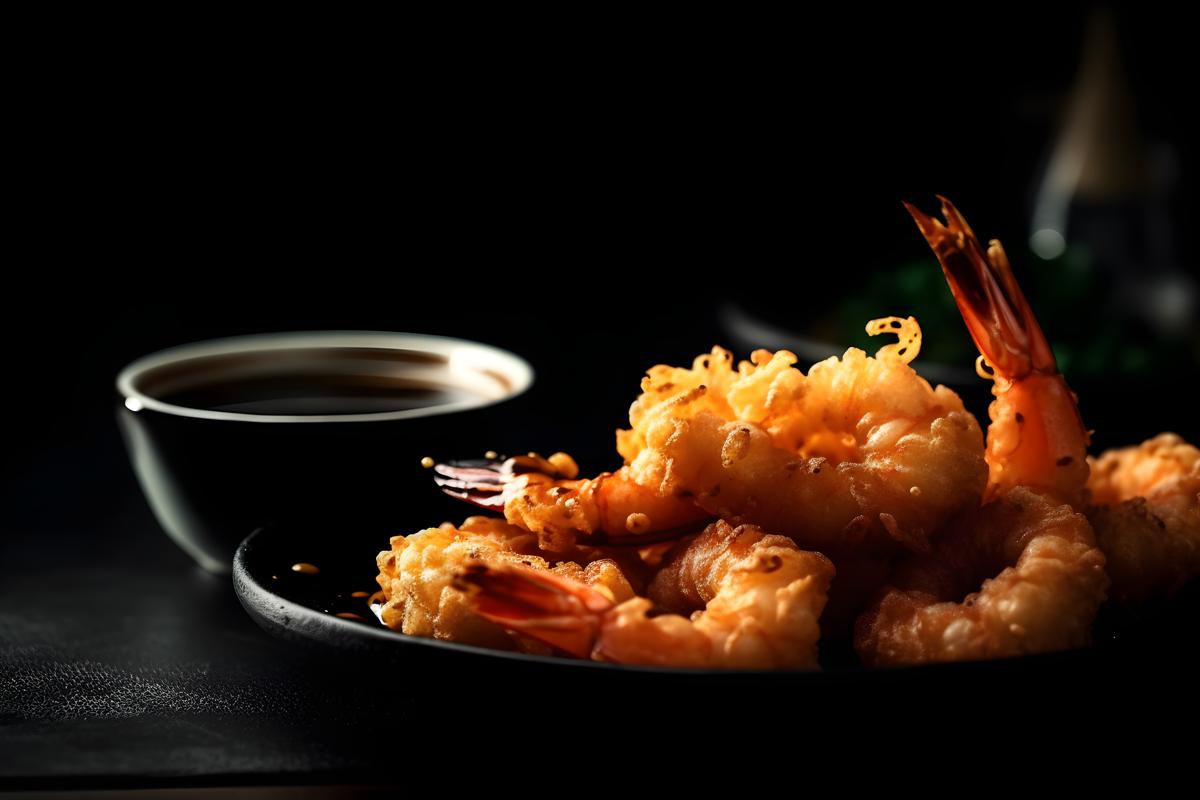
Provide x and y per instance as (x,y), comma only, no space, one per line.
(557,611)
(482,482)
(1037,438)
(492,483)
(992,304)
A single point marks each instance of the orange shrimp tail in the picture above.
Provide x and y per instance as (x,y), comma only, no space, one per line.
(1036,438)
(557,611)
(991,302)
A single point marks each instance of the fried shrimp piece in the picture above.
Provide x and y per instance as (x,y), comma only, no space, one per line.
(1146,512)
(1145,508)
(417,573)
(1049,578)
(611,508)
(1048,584)
(858,454)
(757,601)
(1166,462)
(544,497)
(1036,437)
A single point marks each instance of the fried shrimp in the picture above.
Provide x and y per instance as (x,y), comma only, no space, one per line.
(417,575)
(858,454)
(1049,578)
(1048,584)
(948,546)
(544,497)
(1036,437)
(1146,512)
(755,600)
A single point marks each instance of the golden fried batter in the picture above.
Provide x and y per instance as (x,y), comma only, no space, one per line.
(855,456)
(1020,575)
(1146,512)
(757,600)
(417,578)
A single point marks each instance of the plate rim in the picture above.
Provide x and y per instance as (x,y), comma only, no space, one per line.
(255,597)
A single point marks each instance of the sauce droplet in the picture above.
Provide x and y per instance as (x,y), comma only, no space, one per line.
(491,455)
(359,594)
(306,568)
(427,462)
(347,615)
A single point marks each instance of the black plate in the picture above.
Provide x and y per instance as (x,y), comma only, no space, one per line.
(302,607)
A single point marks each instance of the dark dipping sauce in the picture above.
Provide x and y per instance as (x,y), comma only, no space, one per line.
(342,588)
(322,381)
(316,395)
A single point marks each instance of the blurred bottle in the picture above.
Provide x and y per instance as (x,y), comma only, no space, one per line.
(1105,197)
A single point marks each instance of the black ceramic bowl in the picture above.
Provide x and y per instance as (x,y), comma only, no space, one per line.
(228,435)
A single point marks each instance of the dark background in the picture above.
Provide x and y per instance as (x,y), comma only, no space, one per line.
(585,192)
(585,199)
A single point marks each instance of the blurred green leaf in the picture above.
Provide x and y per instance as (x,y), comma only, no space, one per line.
(1071,300)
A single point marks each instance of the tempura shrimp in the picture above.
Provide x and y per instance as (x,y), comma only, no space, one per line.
(1146,512)
(1145,501)
(1042,576)
(856,455)
(417,576)
(761,599)
(1049,579)
(544,497)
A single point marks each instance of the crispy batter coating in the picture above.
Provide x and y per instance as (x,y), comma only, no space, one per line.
(417,576)
(857,455)
(564,512)
(1146,512)
(1042,576)
(755,602)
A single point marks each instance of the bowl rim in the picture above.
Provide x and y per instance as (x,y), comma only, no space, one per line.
(516,371)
